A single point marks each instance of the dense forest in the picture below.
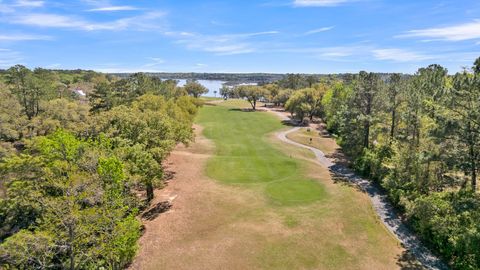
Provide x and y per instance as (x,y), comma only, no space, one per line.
(416,136)
(80,155)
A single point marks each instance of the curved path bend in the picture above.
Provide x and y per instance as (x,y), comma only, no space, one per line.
(384,209)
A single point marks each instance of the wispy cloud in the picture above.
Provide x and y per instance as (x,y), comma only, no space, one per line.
(329,53)
(458,32)
(155,61)
(227,44)
(23,37)
(129,69)
(29,3)
(319,30)
(48,20)
(9,58)
(113,8)
(13,6)
(54,66)
(319,3)
(399,55)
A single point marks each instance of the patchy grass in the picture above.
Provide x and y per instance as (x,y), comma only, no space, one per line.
(326,145)
(249,217)
(239,103)
(244,156)
(210,98)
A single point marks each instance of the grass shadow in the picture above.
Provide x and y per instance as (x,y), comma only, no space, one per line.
(322,130)
(168,175)
(406,261)
(155,211)
(243,110)
(289,123)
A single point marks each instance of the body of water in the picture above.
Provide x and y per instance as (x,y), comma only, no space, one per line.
(209,84)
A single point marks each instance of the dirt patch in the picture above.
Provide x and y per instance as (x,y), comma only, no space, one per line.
(209,226)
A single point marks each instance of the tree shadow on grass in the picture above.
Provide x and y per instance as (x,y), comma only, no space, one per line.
(322,130)
(290,123)
(168,175)
(406,261)
(243,110)
(156,210)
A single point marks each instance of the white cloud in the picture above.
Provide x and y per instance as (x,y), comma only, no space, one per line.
(113,8)
(319,30)
(230,49)
(54,66)
(50,20)
(155,61)
(319,3)
(10,7)
(140,22)
(329,53)
(9,58)
(125,70)
(201,65)
(22,37)
(399,55)
(458,32)
(227,44)
(29,3)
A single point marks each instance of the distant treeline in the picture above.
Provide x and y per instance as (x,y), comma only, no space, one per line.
(229,78)
(235,78)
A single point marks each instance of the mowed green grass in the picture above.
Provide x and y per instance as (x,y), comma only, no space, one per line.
(244,156)
(271,207)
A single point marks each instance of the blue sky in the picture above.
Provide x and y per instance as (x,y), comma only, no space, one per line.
(305,36)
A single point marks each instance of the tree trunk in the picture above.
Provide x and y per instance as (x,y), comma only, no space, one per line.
(149,191)
(392,127)
(70,248)
(254,104)
(473,158)
(366,135)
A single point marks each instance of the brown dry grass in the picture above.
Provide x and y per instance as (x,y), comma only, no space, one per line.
(219,226)
(325,144)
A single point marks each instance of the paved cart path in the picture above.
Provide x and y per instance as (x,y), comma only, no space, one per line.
(384,209)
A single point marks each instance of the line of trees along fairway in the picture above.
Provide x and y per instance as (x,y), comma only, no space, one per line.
(76,171)
(418,137)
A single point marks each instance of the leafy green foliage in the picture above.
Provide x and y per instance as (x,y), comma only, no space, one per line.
(251,93)
(72,211)
(418,136)
(195,89)
(71,173)
(306,102)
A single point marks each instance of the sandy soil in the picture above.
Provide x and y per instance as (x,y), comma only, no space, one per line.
(204,229)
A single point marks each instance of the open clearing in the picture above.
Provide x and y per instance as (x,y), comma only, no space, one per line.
(248,201)
(323,143)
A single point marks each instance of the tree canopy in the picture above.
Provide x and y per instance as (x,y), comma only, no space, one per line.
(75,172)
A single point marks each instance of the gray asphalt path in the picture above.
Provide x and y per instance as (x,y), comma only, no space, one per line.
(382,206)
